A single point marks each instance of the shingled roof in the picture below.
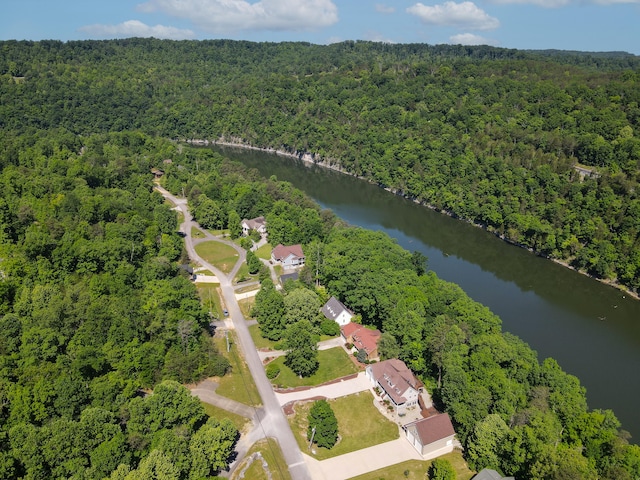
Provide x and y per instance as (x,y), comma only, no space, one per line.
(432,429)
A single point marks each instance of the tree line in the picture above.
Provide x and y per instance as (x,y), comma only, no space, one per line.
(489,135)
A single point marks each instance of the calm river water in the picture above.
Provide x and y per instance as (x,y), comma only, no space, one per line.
(591,329)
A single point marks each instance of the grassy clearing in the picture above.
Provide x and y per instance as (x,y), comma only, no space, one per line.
(360,425)
(264,251)
(237,385)
(334,363)
(218,254)
(259,340)
(196,233)
(209,298)
(239,421)
(417,470)
(246,304)
(272,454)
(243,275)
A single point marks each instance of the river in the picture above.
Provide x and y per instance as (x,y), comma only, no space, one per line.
(591,329)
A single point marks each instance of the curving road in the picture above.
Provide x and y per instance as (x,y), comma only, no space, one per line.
(272,419)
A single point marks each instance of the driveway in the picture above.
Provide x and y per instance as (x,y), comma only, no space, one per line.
(333,390)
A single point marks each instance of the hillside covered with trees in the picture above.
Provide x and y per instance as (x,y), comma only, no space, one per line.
(490,135)
(100,326)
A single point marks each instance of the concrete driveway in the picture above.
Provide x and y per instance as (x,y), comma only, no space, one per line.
(333,390)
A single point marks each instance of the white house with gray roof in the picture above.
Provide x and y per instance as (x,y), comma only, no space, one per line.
(336,311)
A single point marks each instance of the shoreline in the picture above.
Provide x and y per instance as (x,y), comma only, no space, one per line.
(309,158)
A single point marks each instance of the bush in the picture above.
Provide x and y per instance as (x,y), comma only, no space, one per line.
(329,327)
(273,370)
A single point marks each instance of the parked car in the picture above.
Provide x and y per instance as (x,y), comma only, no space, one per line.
(226,312)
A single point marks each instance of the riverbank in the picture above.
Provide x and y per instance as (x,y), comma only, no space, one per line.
(311,159)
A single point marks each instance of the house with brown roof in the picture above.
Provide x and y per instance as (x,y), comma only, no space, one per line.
(288,256)
(258,224)
(396,383)
(335,310)
(362,338)
(432,436)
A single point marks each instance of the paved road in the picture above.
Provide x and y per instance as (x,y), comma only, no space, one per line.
(273,423)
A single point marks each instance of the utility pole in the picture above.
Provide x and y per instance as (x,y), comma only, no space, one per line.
(313,433)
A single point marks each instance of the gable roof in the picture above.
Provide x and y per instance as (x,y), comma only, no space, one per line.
(432,429)
(281,252)
(395,378)
(363,337)
(254,223)
(333,308)
(489,474)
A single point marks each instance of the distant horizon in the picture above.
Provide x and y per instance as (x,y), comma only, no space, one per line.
(589,26)
(586,52)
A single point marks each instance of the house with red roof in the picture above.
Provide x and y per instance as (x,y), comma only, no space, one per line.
(362,338)
(396,383)
(432,436)
(288,256)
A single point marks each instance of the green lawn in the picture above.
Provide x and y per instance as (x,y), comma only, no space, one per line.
(272,454)
(237,385)
(264,251)
(246,304)
(258,339)
(334,363)
(196,233)
(360,425)
(239,421)
(244,276)
(417,470)
(218,254)
(209,298)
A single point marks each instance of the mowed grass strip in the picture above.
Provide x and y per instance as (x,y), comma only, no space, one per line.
(237,385)
(272,454)
(209,298)
(259,340)
(417,470)
(218,413)
(334,363)
(218,254)
(360,425)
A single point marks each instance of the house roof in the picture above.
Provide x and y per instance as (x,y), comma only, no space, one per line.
(489,474)
(255,223)
(288,276)
(363,337)
(434,428)
(281,252)
(333,308)
(395,378)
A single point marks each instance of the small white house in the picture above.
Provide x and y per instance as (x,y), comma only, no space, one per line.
(432,435)
(258,224)
(336,311)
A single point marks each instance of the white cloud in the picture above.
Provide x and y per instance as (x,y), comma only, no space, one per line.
(380,8)
(462,15)
(135,28)
(471,39)
(374,36)
(564,3)
(224,16)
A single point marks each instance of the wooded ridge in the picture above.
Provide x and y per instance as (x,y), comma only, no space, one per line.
(490,135)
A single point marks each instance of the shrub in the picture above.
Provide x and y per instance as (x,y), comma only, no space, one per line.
(273,370)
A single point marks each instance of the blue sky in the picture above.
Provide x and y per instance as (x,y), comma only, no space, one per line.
(587,25)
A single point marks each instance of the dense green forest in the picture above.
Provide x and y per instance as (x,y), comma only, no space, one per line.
(94,314)
(100,325)
(490,135)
